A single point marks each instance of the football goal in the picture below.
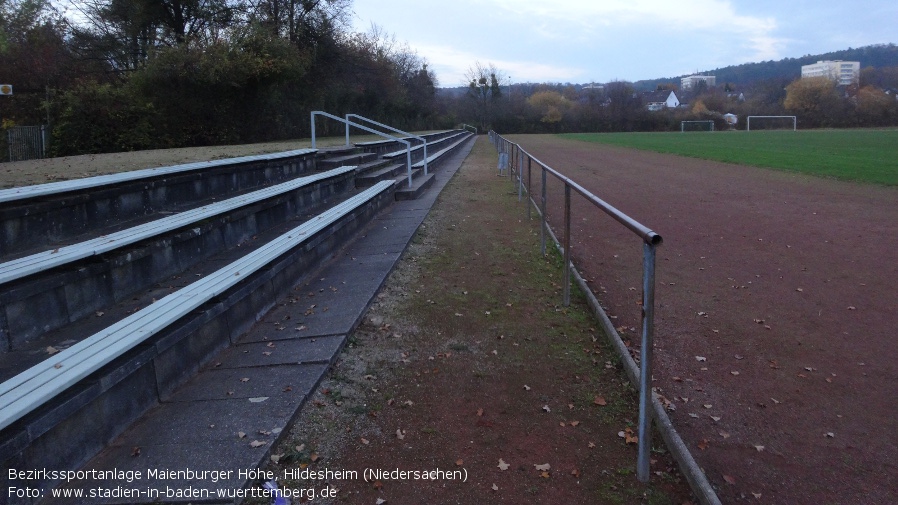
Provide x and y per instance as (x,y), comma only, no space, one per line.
(697,126)
(772,123)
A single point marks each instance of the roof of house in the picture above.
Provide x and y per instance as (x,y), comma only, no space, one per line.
(658,96)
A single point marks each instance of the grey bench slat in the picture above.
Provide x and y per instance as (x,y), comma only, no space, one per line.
(27,265)
(25,192)
(33,387)
(431,159)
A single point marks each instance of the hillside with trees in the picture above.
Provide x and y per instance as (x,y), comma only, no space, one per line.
(117,75)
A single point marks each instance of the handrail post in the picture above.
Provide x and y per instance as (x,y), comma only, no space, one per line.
(542,229)
(567,245)
(520,173)
(645,363)
(313,130)
(529,185)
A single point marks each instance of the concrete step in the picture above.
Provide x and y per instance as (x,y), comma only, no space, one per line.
(40,217)
(382,173)
(74,424)
(346,160)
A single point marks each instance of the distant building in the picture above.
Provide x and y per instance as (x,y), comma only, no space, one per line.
(693,80)
(657,100)
(844,73)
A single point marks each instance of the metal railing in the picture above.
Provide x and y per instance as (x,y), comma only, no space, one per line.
(465,126)
(651,240)
(348,123)
(394,130)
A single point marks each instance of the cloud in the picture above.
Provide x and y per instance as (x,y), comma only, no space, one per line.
(451,64)
(582,19)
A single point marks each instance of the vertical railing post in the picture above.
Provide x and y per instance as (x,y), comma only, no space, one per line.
(313,130)
(520,173)
(347,134)
(645,363)
(567,245)
(529,185)
(542,229)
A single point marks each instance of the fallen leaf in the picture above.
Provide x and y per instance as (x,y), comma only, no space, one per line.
(479,412)
(258,399)
(135,451)
(99,313)
(730,480)
(703,444)
(591,445)
(546,408)
(545,475)
(459,462)
(380,501)
(365,441)
(734,373)
(52,350)
(830,434)
(526,387)
(241,434)
(542,468)
(503,465)
(257,443)
(575,423)
(400,435)
(756,495)
(313,457)
(715,418)
(759,448)
(495,487)
(701,358)
(576,473)
(245,379)
(600,401)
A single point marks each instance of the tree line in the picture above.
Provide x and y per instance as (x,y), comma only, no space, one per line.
(621,107)
(118,75)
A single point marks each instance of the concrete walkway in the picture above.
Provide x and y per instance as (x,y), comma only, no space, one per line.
(255,388)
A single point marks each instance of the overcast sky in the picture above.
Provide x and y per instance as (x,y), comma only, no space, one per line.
(582,41)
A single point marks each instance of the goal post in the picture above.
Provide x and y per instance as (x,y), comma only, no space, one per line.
(775,120)
(692,126)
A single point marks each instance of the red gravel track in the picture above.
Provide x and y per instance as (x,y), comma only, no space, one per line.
(785,284)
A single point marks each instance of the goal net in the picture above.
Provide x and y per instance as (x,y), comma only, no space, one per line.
(697,126)
(772,123)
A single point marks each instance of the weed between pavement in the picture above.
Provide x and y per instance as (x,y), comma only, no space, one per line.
(467,361)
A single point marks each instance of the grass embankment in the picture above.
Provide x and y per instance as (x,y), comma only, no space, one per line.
(861,155)
(467,361)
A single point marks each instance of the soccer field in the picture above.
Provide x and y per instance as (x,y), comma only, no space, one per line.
(857,155)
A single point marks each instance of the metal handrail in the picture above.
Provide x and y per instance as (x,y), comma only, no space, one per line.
(348,123)
(466,126)
(651,241)
(395,130)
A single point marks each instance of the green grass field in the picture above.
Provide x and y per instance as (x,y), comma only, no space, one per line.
(857,155)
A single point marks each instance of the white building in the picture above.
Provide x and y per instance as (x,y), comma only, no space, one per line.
(657,100)
(693,80)
(843,72)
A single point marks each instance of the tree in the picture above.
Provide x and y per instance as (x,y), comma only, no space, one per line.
(815,100)
(484,91)
(552,105)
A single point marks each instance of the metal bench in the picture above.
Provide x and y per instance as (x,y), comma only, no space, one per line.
(30,389)
(53,188)
(45,260)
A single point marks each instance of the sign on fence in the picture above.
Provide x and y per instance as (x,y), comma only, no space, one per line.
(27,142)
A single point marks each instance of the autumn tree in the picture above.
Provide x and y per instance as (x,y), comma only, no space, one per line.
(551,105)
(815,100)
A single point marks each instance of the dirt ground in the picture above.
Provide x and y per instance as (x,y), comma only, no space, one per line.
(466,361)
(775,335)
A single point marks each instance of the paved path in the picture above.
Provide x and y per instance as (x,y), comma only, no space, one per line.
(257,386)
